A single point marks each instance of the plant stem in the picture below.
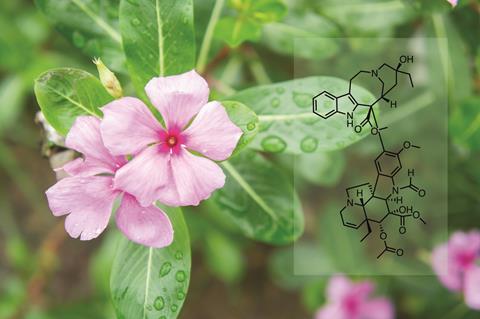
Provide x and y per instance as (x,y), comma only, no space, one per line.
(207,39)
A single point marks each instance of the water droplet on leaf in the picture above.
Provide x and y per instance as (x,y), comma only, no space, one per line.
(251,126)
(302,100)
(174,308)
(275,102)
(165,269)
(179,255)
(159,303)
(135,22)
(309,144)
(273,144)
(180,276)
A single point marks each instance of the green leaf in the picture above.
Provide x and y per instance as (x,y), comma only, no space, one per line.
(91,26)
(323,169)
(235,31)
(280,36)
(247,23)
(158,38)
(465,124)
(12,94)
(244,118)
(260,200)
(223,256)
(287,123)
(64,94)
(152,283)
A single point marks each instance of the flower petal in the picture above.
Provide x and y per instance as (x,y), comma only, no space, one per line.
(338,288)
(87,200)
(145,175)
(472,288)
(178,97)
(85,138)
(147,226)
(331,311)
(128,126)
(448,273)
(378,308)
(212,133)
(191,179)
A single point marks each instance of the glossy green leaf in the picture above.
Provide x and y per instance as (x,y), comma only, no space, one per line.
(281,36)
(246,25)
(287,123)
(260,199)
(152,283)
(64,94)
(91,26)
(244,118)
(158,38)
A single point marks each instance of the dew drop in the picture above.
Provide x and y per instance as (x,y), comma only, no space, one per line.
(309,144)
(159,303)
(78,39)
(179,255)
(165,269)
(275,102)
(135,22)
(180,276)
(174,308)
(180,295)
(251,126)
(302,100)
(273,144)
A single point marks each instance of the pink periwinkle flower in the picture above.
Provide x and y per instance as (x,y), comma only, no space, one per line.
(456,264)
(87,195)
(173,162)
(349,300)
(453,2)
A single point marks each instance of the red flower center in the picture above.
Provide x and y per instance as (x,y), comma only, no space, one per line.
(172,141)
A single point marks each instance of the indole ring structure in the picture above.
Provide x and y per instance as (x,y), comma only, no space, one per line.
(373,203)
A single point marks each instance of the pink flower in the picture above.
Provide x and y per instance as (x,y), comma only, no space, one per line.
(88,194)
(348,300)
(164,166)
(455,264)
(453,2)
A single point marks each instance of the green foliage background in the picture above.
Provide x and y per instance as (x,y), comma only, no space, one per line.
(238,270)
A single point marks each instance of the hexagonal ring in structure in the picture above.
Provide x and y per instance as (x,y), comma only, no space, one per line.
(324,104)
(388,163)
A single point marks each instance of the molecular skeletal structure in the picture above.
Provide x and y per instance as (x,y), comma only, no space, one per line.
(373,203)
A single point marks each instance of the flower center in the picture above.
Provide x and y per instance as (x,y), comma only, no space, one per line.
(172,141)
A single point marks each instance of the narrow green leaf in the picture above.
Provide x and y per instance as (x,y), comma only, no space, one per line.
(244,118)
(91,26)
(12,94)
(152,283)
(64,94)
(260,200)
(158,38)
(287,123)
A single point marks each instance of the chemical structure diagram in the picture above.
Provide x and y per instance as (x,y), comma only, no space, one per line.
(371,204)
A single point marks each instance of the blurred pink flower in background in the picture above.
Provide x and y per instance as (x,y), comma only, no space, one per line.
(349,300)
(87,195)
(456,265)
(453,2)
(174,162)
